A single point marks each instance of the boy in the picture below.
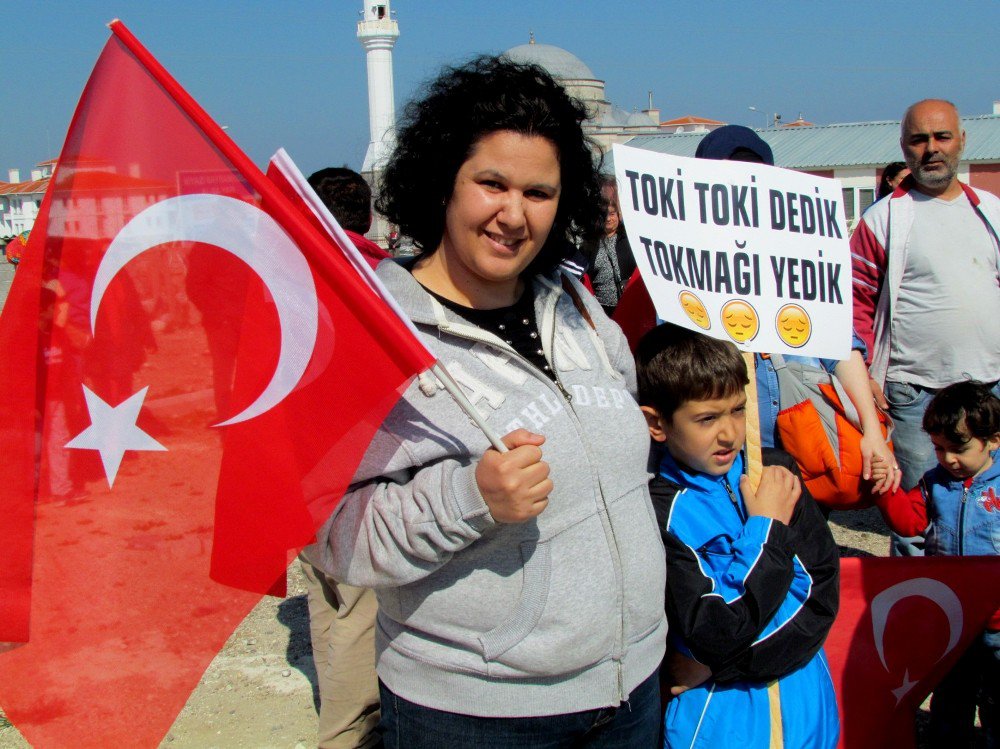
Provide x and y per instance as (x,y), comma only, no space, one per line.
(957,505)
(752,577)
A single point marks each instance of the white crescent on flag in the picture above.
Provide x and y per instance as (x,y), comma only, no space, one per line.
(255,238)
(924,587)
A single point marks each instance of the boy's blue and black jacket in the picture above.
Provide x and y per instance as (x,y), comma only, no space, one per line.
(753,599)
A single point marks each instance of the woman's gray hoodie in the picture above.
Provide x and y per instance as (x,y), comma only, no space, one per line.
(559,614)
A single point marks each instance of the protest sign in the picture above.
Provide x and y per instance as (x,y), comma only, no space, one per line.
(744,252)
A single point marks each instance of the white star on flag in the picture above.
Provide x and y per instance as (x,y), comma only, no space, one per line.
(903,689)
(113,430)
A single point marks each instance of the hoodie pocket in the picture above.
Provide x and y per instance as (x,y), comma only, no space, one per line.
(566,616)
(643,560)
(523,618)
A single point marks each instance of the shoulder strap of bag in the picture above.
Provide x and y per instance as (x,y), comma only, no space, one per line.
(577,301)
(850,412)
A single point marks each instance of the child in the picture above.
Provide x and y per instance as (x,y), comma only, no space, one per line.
(752,577)
(958,504)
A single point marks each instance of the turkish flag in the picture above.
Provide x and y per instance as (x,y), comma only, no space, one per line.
(902,625)
(635,313)
(192,372)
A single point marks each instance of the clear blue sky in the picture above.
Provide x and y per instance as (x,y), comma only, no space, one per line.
(291,73)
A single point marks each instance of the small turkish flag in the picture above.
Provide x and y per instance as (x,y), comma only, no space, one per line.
(192,372)
(635,313)
(902,625)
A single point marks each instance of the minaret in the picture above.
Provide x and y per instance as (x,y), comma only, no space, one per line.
(378,32)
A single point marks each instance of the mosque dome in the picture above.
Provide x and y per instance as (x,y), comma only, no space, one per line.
(613,117)
(640,119)
(558,62)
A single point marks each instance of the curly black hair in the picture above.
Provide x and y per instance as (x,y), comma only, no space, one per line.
(439,129)
(962,410)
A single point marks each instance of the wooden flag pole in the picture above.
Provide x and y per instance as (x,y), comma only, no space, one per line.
(754,464)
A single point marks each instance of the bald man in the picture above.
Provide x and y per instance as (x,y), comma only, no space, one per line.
(926,280)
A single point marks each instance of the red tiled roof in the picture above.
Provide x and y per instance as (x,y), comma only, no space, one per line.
(690,119)
(83,181)
(799,123)
(83,161)
(30,187)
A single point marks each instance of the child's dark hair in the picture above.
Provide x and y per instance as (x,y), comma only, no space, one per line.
(969,401)
(675,365)
(462,105)
(347,195)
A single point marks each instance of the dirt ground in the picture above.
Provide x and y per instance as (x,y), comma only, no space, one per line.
(259,692)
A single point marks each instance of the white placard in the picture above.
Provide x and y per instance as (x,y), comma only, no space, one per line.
(744,252)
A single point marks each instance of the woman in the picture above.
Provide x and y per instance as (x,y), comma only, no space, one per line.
(610,259)
(520,593)
(894,173)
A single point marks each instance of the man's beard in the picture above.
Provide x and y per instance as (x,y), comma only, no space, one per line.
(934,179)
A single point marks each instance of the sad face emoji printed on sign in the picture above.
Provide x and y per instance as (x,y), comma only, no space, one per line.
(794,326)
(694,309)
(740,320)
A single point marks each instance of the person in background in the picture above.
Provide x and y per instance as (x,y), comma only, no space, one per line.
(349,198)
(609,258)
(341,616)
(957,506)
(393,239)
(894,173)
(926,268)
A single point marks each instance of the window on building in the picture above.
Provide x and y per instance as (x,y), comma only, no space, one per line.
(865,198)
(849,203)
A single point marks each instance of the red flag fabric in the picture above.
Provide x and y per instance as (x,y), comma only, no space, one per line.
(902,625)
(18,341)
(635,313)
(192,373)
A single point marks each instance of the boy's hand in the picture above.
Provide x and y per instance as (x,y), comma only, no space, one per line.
(685,673)
(776,496)
(515,484)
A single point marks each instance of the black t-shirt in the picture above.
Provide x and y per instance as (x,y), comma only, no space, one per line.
(515,324)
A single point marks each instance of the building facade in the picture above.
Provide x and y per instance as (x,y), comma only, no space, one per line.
(855,153)
(20,200)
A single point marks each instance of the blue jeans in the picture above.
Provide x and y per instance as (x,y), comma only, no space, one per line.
(914,451)
(634,724)
(913,448)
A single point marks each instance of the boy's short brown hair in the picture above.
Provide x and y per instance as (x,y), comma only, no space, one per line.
(675,365)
